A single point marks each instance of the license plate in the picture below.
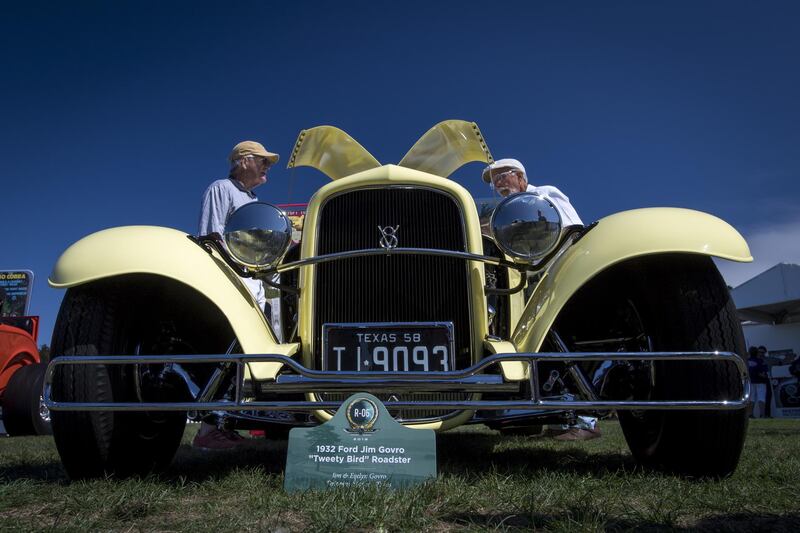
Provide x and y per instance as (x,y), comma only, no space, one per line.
(390,347)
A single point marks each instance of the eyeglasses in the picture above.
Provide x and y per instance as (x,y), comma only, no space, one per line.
(503,175)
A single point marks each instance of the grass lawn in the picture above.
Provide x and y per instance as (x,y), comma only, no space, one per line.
(485,482)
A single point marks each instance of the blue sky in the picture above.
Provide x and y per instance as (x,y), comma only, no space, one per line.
(116,113)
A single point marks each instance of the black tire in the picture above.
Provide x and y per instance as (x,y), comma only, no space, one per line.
(102,319)
(22,413)
(686,306)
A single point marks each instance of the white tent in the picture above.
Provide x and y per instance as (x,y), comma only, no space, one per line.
(772,297)
(769,307)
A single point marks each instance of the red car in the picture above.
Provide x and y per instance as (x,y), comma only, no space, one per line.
(21,376)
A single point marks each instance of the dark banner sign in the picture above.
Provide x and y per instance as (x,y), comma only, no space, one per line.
(15,292)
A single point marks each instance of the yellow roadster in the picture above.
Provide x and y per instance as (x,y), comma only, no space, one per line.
(396,290)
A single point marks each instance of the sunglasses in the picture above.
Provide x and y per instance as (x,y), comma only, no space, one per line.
(262,161)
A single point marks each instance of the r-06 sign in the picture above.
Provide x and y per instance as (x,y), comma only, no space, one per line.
(361,444)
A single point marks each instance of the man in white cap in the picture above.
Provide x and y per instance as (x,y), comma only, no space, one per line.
(507,176)
(249,163)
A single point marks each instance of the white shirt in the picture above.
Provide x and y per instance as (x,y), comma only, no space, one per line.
(569,217)
(220,200)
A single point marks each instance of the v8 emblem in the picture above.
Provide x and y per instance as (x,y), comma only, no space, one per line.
(388,236)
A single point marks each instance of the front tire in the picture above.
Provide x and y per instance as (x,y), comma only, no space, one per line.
(97,320)
(690,309)
(661,303)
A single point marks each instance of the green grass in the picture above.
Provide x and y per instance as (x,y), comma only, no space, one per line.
(485,482)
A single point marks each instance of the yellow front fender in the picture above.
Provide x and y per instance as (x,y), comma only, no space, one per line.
(169,253)
(618,238)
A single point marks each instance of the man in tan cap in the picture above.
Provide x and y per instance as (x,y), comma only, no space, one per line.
(249,164)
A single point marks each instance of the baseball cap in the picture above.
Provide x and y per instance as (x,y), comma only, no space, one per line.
(246,148)
(502,163)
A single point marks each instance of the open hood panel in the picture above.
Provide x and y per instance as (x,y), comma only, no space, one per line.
(440,151)
(446,147)
(331,151)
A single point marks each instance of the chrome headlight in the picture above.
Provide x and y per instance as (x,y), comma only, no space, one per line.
(257,235)
(526,226)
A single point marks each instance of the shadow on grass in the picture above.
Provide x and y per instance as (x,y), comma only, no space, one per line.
(742,522)
(459,454)
(789,432)
(462,454)
(454,457)
(49,472)
(533,521)
(191,464)
(746,522)
(535,455)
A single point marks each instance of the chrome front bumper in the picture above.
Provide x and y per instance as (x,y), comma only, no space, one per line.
(468,380)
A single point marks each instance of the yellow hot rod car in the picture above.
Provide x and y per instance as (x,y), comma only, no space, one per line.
(397,291)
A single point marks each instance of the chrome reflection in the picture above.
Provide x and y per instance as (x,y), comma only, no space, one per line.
(526,226)
(258,234)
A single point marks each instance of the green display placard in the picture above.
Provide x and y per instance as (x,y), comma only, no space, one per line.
(362,444)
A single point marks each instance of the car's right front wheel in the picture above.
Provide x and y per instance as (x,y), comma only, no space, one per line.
(675,303)
(690,309)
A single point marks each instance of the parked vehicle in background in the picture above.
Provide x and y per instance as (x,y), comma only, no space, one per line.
(395,290)
(21,377)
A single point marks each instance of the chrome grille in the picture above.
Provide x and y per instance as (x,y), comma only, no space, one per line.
(404,288)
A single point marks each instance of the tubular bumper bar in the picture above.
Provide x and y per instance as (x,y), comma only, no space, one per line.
(466,380)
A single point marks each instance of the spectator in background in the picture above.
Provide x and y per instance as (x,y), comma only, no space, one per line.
(764,353)
(759,379)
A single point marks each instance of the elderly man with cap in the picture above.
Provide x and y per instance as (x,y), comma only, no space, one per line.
(507,176)
(249,163)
